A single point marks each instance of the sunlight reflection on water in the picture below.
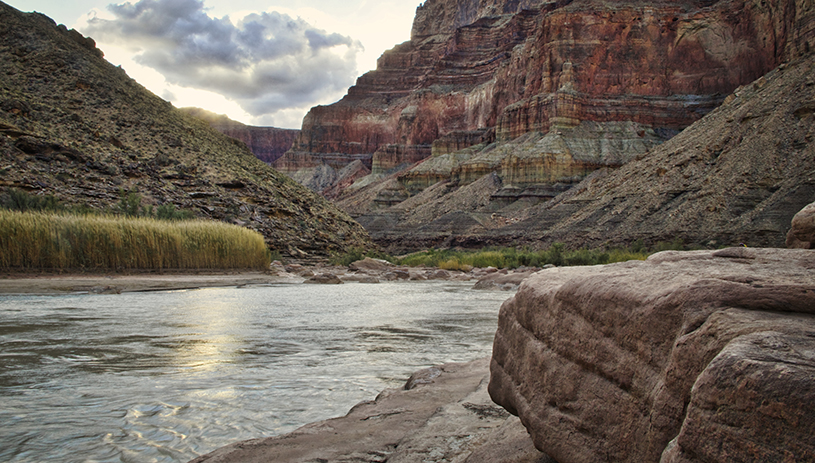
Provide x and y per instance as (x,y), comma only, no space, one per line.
(167,376)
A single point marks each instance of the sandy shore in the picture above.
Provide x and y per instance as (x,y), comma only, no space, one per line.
(116,283)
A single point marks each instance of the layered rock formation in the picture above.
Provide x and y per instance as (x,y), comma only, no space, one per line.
(738,175)
(686,357)
(74,126)
(266,143)
(512,68)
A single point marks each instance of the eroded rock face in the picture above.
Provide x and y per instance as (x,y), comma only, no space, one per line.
(686,357)
(266,143)
(510,68)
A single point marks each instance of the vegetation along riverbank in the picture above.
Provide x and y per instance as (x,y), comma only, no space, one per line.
(41,240)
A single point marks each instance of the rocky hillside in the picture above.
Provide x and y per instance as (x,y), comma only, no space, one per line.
(739,175)
(75,126)
(531,97)
(267,143)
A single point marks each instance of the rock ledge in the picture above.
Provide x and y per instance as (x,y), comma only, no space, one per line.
(445,416)
(686,357)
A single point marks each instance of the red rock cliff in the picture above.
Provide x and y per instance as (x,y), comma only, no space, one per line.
(524,66)
(266,143)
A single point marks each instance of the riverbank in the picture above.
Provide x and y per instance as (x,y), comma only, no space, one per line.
(443,414)
(51,284)
(364,271)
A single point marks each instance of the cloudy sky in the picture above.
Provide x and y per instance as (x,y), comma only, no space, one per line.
(262,62)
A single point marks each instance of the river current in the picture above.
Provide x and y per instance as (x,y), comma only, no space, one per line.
(168,376)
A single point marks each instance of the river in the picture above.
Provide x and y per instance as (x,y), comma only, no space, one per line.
(168,376)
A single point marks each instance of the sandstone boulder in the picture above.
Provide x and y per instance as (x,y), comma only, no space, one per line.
(324,279)
(686,357)
(802,233)
(369,264)
(503,281)
(439,275)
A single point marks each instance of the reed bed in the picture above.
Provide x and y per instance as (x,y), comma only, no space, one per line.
(37,240)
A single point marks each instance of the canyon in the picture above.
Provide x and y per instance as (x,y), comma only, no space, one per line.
(494,109)
(76,127)
(266,143)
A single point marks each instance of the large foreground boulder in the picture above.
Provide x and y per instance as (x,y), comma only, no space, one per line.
(687,357)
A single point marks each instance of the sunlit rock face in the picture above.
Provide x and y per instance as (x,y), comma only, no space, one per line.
(502,69)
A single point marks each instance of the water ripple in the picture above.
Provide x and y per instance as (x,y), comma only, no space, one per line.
(165,377)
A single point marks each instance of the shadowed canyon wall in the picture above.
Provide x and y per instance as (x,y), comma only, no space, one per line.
(266,143)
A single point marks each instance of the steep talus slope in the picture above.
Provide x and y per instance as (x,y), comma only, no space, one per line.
(737,176)
(688,357)
(266,143)
(77,127)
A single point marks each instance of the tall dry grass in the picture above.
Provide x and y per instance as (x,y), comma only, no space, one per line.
(34,240)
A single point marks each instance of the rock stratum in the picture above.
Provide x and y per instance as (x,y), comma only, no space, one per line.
(266,143)
(74,126)
(529,98)
(686,357)
(738,175)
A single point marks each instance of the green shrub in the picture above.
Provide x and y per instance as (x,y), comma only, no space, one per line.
(168,211)
(557,254)
(19,200)
(129,204)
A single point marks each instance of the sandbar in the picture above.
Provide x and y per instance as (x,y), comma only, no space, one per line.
(56,284)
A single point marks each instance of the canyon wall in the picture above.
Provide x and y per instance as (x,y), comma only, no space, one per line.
(737,176)
(516,67)
(266,143)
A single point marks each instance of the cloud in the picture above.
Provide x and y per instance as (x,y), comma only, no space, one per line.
(267,62)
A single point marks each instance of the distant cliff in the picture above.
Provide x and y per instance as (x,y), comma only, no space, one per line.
(473,67)
(266,143)
(531,97)
(74,126)
(738,175)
